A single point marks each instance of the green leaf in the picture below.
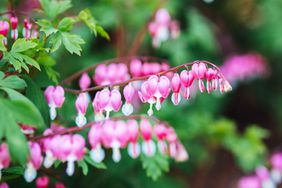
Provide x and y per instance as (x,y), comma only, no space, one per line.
(24,110)
(21,45)
(56,41)
(46,26)
(155,165)
(72,42)
(25,59)
(86,16)
(2,46)
(66,24)
(84,167)
(93,163)
(14,170)
(100,30)
(35,94)
(16,141)
(53,8)
(57,163)
(13,82)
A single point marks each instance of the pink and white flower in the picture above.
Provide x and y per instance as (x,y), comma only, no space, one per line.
(55,97)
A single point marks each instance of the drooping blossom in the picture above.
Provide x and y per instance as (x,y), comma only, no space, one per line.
(27,29)
(187,79)
(81,105)
(14,25)
(106,101)
(199,71)
(148,145)
(244,67)
(95,139)
(4,29)
(176,86)
(55,97)
(128,93)
(71,149)
(154,90)
(133,133)
(42,182)
(115,137)
(181,153)
(34,162)
(171,138)
(4,157)
(163,28)
(160,131)
(84,81)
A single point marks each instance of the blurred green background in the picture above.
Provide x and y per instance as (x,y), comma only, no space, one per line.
(226,136)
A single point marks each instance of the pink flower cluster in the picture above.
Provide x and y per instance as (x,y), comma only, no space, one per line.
(120,134)
(156,89)
(139,68)
(66,148)
(111,74)
(244,67)
(265,178)
(44,182)
(153,91)
(163,28)
(118,72)
(28,32)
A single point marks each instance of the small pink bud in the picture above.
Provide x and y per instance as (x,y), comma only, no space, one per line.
(146,129)
(100,75)
(276,161)
(187,79)
(128,93)
(84,81)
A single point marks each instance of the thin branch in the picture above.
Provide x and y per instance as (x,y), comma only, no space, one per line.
(174,69)
(74,76)
(74,129)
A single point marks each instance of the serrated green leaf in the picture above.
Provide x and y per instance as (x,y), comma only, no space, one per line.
(56,41)
(13,82)
(72,42)
(84,167)
(53,8)
(66,24)
(46,26)
(93,163)
(24,59)
(12,60)
(21,45)
(86,16)
(155,165)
